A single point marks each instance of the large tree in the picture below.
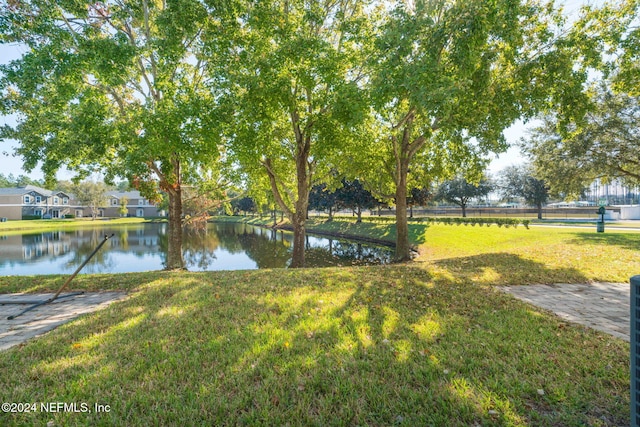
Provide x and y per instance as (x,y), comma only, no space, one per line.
(449,76)
(460,191)
(608,38)
(117,86)
(92,194)
(603,144)
(354,196)
(520,181)
(293,87)
(322,198)
(418,197)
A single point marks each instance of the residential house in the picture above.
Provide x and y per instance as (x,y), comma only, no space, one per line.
(136,205)
(32,201)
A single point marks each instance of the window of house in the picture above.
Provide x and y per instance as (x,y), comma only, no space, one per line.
(140,202)
(27,199)
(56,200)
(38,199)
(65,200)
(114,202)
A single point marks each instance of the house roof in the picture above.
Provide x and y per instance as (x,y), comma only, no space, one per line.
(128,194)
(12,191)
(24,190)
(19,191)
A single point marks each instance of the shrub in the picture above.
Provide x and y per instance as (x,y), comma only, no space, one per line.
(30,217)
(506,222)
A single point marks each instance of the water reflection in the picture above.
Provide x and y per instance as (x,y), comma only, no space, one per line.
(143,247)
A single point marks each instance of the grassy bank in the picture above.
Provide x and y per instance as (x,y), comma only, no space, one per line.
(426,343)
(391,345)
(505,256)
(377,232)
(48,224)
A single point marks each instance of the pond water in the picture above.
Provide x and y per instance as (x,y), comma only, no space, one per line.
(143,247)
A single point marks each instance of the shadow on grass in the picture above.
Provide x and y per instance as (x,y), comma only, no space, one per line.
(508,269)
(630,241)
(390,345)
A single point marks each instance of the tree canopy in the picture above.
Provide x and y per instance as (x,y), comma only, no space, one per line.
(354,196)
(92,194)
(520,181)
(292,78)
(460,191)
(446,78)
(603,144)
(295,93)
(18,181)
(115,86)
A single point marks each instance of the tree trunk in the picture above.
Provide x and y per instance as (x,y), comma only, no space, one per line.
(539,211)
(464,210)
(330,215)
(299,234)
(174,254)
(403,250)
(359,212)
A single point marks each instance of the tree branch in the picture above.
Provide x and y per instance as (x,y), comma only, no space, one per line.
(274,187)
(409,116)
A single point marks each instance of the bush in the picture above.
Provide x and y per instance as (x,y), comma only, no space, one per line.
(30,217)
(506,222)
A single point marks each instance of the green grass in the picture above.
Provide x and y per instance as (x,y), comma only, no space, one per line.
(391,345)
(538,255)
(14,227)
(426,343)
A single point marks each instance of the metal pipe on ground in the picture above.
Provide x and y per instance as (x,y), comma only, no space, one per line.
(65,284)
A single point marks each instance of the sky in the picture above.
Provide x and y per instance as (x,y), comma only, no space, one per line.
(10,164)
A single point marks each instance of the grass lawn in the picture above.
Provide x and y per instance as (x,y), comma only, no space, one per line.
(426,343)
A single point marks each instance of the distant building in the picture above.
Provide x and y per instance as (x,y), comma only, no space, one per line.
(137,205)
(34,202)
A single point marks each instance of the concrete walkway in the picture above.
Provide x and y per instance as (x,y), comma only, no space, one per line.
(601,306)
(46,317)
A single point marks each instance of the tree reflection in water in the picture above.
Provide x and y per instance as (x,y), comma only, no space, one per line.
(143,247)
(199,247)
(87,242)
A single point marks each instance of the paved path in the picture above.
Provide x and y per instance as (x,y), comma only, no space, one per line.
(46,317)
(601,306)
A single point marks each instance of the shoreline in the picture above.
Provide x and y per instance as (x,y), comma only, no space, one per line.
(318,229)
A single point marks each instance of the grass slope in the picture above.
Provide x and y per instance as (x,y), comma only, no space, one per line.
(390,345)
